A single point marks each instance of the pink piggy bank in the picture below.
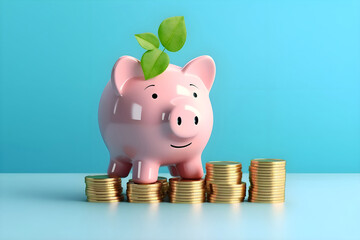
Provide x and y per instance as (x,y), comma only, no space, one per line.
(166,120)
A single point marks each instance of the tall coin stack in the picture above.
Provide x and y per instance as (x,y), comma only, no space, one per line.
(186,191)
(144,192)
(267,180)
(223,182)
(102,188)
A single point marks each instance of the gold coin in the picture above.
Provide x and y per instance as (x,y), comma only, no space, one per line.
(268,174)
(225,201)
(223,176)
(228,172)
(100,178)
(187,186)
(144,201)
(187,196)
(104,201)
(238,186)
(267,179)
(202,198)
(104,188)
(144,191)
(267,193)
(267,171)
(269,186)
(103,183)
(188,202)
(276,180)
(226,181)
(186,191)
(223,192)
(268,161)
(223,163)
(266,201)
(186,181)
(226,191)
(268,183)
(218,198)
(211,196)
(144,198)
(104,198)
(225,168)
(267,168)
(235,177)
(266,198)
(143,185)
(219,188)
(267,190)
(218,182)
(102,193)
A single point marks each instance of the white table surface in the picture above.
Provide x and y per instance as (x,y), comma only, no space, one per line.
(53,206)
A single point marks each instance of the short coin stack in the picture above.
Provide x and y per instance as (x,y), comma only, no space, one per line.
(186,191)
(144,192)
(164,186)
(223,182)
(267,180)
(102,188)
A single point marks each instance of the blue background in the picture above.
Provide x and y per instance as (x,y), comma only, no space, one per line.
(287,83)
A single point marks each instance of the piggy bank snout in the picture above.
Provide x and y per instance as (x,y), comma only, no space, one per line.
(184,121)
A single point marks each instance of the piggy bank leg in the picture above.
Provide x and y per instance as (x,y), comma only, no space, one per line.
(119,167)
(145,171)
(191,169)
(173,171)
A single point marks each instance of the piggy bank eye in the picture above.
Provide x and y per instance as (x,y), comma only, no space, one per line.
(154,96)
(195,95)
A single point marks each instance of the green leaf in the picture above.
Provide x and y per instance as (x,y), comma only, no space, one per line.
(172,33)
(154,62)
(147,40)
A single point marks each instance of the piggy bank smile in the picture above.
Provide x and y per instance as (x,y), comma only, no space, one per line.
(184,146)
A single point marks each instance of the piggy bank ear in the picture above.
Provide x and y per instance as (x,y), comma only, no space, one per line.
(204,68)
(124,69)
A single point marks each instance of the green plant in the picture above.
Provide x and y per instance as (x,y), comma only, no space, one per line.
(172,34)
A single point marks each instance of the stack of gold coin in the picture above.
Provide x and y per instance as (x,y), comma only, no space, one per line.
(186,191)
(267,180)
(144,192)
(102,188)
(223,182)
(164,186)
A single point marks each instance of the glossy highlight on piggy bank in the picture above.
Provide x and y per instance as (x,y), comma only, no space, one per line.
(166,120)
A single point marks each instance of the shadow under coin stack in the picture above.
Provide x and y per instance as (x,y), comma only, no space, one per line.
(186,191)
(267,180)
(223,182)
(102,188)
(144,192)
